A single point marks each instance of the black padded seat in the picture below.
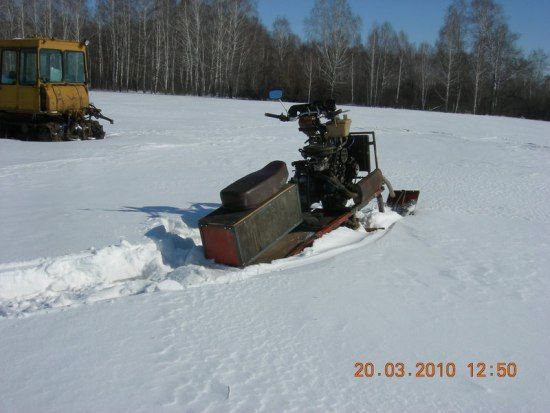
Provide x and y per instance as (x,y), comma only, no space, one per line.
(253,189)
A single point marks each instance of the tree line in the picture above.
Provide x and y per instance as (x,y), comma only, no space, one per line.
(220,48)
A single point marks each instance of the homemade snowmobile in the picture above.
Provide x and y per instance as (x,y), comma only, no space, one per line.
(263,217)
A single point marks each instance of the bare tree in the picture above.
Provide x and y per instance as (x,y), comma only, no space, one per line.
(332,26)
(384,72)
(451,44)
(403,51)
(372,46)
(537,64)
(482,19)
(310,63)
(283,42)
(425,72)
(493,48)
(501,57)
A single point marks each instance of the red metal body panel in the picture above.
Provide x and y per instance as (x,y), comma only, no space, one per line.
(220,244)
(325,230)
(236,238)
(331,226)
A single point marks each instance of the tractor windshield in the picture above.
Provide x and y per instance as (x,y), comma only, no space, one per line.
(51,69)
(9,67)
(27,67)
(73,66)
(62,67)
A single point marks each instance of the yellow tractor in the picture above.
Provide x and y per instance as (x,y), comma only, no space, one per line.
(44,91)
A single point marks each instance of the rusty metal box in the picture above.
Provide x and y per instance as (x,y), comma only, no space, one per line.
(236,238)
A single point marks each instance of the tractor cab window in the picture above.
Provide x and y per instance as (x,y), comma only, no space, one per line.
(9,67)
(51,67)
(73,67)
(27,67)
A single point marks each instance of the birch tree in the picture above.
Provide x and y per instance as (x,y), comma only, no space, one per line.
(332,26)
(451,44)
(403,51)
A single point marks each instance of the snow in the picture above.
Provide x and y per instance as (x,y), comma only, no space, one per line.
(107,303)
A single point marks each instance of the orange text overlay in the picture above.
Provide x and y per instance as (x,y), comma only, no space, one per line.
(429,369)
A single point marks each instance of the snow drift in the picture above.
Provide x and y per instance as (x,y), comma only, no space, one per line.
(171,260)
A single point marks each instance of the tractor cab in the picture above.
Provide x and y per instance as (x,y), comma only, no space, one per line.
(43,76)
(44,91)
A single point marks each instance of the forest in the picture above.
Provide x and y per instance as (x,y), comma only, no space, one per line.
(221,48)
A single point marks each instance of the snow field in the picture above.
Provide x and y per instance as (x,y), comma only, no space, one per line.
(465,279)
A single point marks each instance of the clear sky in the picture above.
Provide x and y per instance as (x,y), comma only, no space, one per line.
(421,19)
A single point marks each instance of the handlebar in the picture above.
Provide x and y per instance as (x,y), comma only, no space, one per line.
(319,109)
(281,117)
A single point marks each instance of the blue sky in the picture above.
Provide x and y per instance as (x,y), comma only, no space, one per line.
(421,19)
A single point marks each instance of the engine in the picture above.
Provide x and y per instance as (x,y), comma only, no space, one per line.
(327,170)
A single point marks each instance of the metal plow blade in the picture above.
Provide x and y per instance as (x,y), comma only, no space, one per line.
(404,201)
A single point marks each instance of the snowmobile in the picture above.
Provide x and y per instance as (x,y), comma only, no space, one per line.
(264,216)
